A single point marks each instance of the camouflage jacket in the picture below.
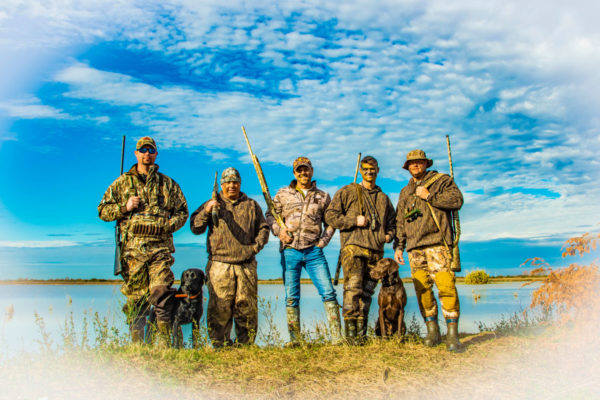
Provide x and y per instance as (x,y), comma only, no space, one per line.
(303,216)
(241,232)
(347,205)
(162,210)
(423,232)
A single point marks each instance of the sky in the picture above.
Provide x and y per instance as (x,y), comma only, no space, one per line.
(514,84)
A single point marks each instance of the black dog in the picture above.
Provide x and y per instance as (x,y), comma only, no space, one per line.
(188,305)
(392,299)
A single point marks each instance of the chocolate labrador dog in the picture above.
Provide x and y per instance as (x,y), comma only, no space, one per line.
(392,299)
(188,305)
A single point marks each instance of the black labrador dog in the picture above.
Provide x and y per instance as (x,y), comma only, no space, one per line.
(188,305)
(392,299)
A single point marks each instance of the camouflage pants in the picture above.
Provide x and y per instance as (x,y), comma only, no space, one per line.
(429,265)
(147,279)
(358,285)
(232,297)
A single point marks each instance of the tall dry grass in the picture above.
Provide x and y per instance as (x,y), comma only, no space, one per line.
(569,293)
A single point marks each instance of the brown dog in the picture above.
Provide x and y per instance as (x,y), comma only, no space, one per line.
(392,299)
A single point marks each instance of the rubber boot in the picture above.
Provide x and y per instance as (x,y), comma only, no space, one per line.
(350,330)
(452,342)
(361,330)
(332,309)
(293,323)
(137,329)
(433,337)
(163,334)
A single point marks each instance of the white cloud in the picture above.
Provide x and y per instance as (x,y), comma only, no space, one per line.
(31,108)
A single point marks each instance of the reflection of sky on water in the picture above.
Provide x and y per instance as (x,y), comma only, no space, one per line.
(54,303)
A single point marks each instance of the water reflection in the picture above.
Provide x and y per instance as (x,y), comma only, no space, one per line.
(54,303)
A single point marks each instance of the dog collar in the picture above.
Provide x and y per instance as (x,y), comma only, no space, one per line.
(183,295)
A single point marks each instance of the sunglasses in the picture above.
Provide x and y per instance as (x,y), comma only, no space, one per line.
(147,149)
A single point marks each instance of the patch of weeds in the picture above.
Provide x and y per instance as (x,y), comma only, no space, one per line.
(519,323)
(269,334)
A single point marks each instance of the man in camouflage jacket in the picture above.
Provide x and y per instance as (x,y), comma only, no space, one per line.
(149,206)
(365,218)
(302,207)
(428,247)
(240,233)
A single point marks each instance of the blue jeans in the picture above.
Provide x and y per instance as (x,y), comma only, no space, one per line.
(313,260)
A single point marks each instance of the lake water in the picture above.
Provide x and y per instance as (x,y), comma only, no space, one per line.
(54,303)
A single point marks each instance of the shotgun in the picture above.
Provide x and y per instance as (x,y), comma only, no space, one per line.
(455,264)
(264,187)
(338,268)
(215,209)
(118,268)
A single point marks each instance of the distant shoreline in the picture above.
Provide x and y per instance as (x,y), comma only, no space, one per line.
(277,281)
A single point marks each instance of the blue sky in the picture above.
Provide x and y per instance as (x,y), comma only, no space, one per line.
(515,84)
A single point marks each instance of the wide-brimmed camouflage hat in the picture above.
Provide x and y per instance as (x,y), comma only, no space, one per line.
(302,161)
(230,175)
(417,155)
(146,141)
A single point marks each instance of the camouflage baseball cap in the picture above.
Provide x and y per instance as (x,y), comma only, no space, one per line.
(300,161)
(146,141)
(417,155)
(230,175)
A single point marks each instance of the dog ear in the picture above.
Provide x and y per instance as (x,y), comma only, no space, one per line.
(392,266)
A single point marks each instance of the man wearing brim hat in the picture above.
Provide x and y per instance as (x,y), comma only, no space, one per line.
(417,155)
(302,207)
(149,206)
(424,230)
(232,244)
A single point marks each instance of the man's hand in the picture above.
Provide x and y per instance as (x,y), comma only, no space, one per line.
(399,257)
(361,221)
(422,192)
(209,206)
(284,236)
(133,203)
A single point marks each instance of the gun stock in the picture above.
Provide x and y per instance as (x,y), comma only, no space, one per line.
(118,266)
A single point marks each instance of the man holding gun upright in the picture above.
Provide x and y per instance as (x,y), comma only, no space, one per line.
(149,206)
(424,229)
(366,220)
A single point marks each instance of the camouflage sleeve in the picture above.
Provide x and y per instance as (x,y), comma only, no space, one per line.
(328,231)
(390,218)
(112,206)
(335,216)
(400,238)
(262,229)
(179,212)
(278,209)
(199,220)
(446,195)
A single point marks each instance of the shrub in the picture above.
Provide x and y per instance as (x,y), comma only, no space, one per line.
(570,292)
(477,277)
